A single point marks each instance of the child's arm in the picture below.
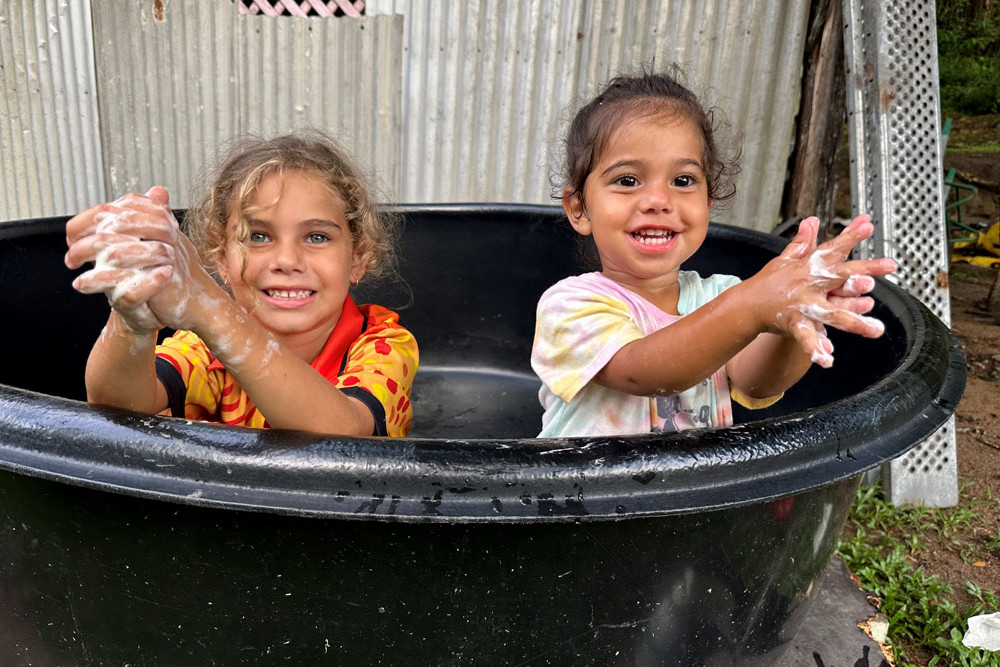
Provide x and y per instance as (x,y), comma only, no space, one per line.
(286,390)
(121,369)
(786,299)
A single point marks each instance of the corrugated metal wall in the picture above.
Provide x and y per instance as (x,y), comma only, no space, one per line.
(176,86)
(49,140)
(487,84)
(154,91)
(447,101)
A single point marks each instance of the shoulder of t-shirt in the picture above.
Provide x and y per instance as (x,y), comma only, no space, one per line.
(697,291)
(583,283)
(376,315)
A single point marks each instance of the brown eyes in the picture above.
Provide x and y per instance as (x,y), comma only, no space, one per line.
(683,181)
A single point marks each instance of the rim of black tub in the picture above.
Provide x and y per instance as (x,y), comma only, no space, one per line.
(421,479)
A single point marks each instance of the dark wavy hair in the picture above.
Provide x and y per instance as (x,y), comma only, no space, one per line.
(628,97)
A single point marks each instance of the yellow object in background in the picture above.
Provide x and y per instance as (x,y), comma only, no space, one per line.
(973,252)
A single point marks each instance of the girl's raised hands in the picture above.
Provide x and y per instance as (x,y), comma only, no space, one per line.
(141,259)
(810,286)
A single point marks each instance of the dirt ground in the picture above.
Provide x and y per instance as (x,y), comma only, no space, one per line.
(970,555)
(975,311)
(975,318)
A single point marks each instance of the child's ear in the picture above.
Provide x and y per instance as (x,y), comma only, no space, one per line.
(359,266)
(572,203)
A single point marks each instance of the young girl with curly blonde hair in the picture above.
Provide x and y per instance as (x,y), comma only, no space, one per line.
(288,226)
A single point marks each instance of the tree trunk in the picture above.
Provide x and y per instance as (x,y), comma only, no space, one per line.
(822,117)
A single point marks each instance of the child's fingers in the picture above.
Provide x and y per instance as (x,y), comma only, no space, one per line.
(882,266)
(157,223)
(854,304)
(859,230)
(812,337)
(804,241)
(854,276)
(86,223)
(113,251)
(855,285)
(155,197)
(81,225)
(119,226)
(126,288)
(111,215)
(158,195)
(828,260)
(845,320)
(135,254)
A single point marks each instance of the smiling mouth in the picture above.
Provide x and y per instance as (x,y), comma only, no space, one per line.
(290,294)
(653,237)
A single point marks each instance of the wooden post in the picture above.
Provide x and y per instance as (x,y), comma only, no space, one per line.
(822,116)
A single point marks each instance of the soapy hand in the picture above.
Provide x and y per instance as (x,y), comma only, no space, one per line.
(140,257)
(809,287)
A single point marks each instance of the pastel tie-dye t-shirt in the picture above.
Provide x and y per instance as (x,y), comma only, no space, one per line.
(582,322)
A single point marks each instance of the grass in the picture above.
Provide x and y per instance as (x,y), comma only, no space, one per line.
(923,616)
(972,149)
(973,135)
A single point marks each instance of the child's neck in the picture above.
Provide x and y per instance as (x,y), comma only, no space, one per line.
(663,291)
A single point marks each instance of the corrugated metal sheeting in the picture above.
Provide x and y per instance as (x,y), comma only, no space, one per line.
(487,85)
(446,101)
(49,139)
(176,80)
(175,87)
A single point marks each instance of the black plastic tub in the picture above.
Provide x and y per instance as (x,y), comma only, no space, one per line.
(130,539)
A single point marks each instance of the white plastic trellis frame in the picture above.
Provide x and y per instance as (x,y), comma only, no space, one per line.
(895,139)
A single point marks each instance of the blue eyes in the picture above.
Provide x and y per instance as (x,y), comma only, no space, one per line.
(313,238)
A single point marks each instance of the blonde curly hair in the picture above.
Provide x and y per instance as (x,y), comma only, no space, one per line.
(250,161)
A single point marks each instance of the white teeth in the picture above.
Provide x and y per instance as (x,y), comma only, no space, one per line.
(288,294)
(653,236)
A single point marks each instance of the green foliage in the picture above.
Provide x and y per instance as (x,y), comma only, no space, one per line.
(970,84)
(951,645)
(969,56)
(918,605)
(993,543)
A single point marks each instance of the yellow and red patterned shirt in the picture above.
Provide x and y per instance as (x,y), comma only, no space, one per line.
(368,356)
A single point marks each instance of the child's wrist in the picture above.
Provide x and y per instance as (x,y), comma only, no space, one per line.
(133,327)
(746,308)
(221,324)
